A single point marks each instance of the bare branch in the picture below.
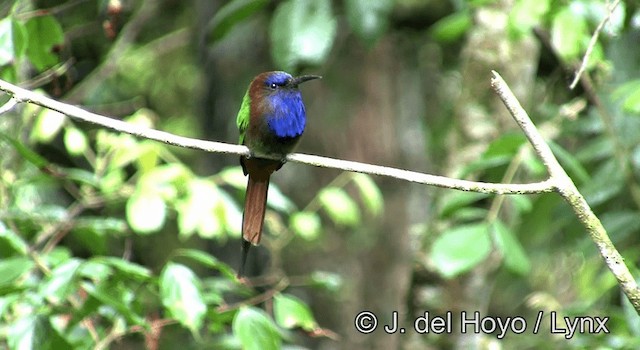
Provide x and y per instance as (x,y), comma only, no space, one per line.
(24,95)
(567,189)
(592,44)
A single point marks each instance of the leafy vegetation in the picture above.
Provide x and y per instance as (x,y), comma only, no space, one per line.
(107,240)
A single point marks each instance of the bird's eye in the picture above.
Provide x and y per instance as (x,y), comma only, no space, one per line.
(273,86)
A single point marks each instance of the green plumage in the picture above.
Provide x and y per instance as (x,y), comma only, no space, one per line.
(242,120)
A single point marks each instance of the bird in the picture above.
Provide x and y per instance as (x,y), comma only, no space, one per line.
(271,120)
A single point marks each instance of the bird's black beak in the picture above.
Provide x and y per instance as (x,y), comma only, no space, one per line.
(301,79)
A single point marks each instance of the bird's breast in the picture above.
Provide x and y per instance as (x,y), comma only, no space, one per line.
(287,117)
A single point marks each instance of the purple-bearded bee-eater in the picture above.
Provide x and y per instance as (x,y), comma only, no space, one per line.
(271,120)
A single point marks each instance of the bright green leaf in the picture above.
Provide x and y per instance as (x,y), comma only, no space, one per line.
(369,19)
(630,94)
(47,125)
(197,211)
(369,192)
(146,211)
(256,330)
(180,294)
(332,282)
(44,33)
(12,269)
(515,258)
(96,271)
(21,334)
(506,145)
(15,241)
(290,312)
(12,40)
(75,141)
(452,27)
(340,207)
(57,286)
(302,32)
(306,224)
(231,14)
(234,177)
(526,14)
(568,31)
(129,269)
(460,249)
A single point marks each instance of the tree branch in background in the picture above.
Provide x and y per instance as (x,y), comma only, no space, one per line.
(558,181)
(592,44)
(567,189)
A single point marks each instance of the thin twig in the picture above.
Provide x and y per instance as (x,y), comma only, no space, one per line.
(592,44)
(567,189)
(23,95)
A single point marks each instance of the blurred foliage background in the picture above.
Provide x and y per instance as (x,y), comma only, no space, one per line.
(108,241)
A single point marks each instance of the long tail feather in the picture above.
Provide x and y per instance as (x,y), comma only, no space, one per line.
(255,204)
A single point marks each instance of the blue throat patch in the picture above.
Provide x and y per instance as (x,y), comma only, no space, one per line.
(288,118)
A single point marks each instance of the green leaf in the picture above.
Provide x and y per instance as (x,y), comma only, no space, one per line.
(460,249)
(207,260)
(234,177)
(515,258)
(75,141)
(146,211)
(13,240)
(506,145)
(129,269)
(180,294)
(456,200)
(231,14)
(525,15)
(571,164)
(290,312)
(568,30)
(25,152)
(278,201)
(58,285)
(12,269)
(369,19)
(306,224)
(629,92)
(44,33)
(339,206)
(117,298)
(21,334)
(207,210)
(330,281)
(452,27)
(256,330)
(302,33)
(369,192)
(96,271)
(12,40)
(47,125)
